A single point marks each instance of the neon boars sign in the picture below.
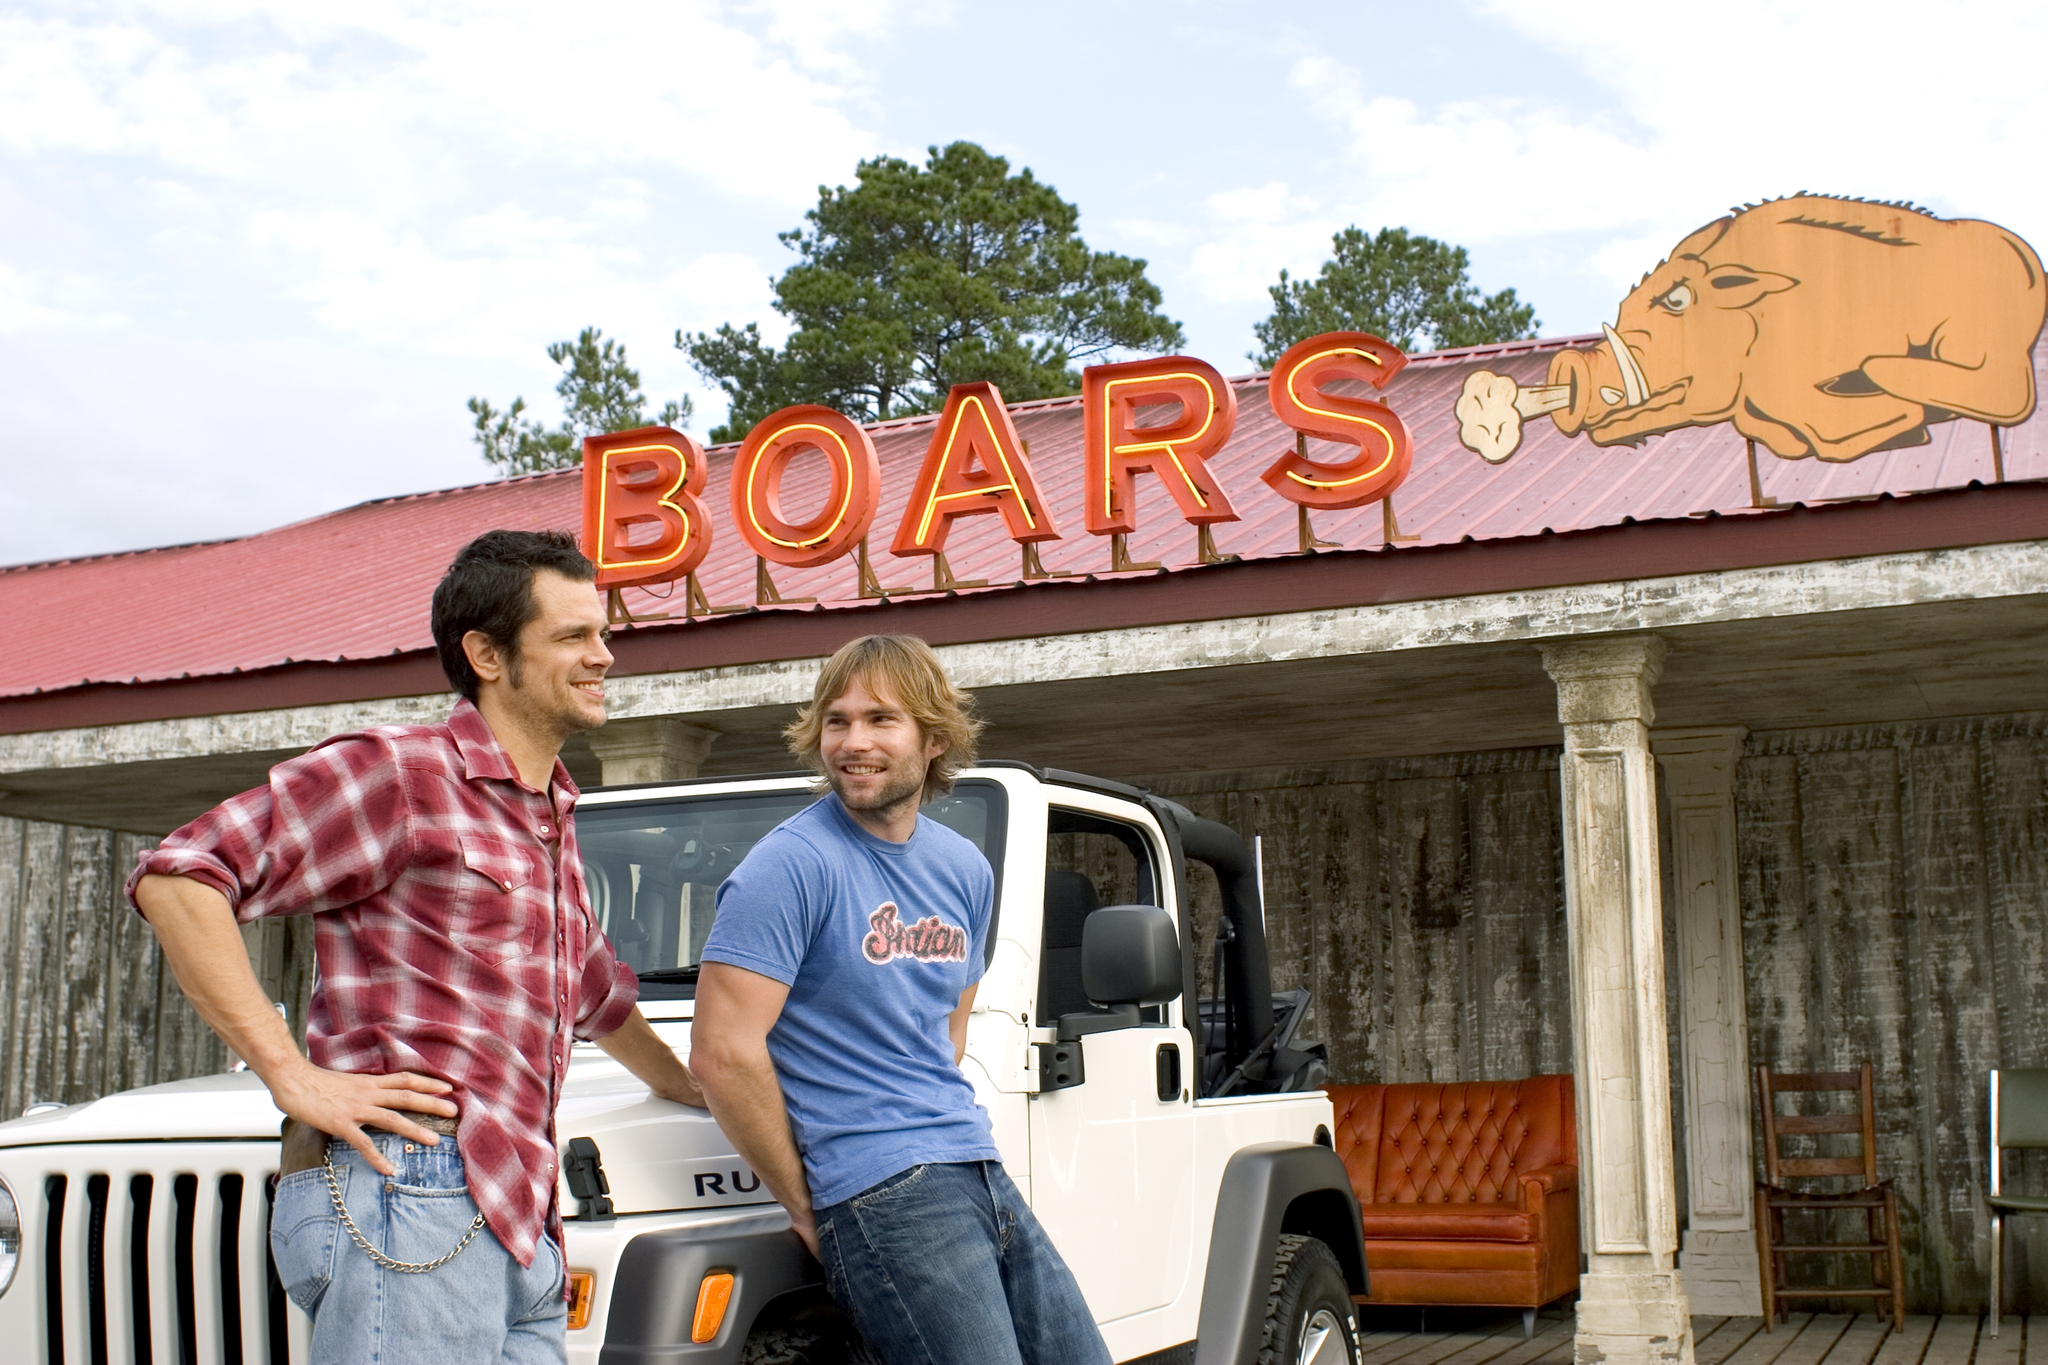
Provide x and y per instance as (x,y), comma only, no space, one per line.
(644,520)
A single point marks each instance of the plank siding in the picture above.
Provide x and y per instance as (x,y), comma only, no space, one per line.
(34,1008)
(78,1035)
(1421,900)
(2015,781)
(13,866)
(132,972)
(1895,909)
(87,1006)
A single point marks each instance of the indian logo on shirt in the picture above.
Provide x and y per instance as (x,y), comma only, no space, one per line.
(931,939)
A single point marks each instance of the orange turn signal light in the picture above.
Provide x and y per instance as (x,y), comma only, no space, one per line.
(582,1294)
(713,1296)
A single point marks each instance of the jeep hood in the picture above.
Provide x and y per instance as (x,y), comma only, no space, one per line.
(657,1156)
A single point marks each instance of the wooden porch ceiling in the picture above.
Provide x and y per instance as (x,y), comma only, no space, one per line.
(1905,663)
(1848,668)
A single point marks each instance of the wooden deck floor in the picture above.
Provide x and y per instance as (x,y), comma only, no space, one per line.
(1394,1336)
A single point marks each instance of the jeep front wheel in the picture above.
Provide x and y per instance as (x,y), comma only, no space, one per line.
(1309,1315)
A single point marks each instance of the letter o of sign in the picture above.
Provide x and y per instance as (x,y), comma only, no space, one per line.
(765,461)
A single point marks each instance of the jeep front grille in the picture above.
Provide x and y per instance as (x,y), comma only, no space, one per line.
(150,1257)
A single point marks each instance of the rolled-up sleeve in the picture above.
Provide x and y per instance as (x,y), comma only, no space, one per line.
(608,991)
(329,829)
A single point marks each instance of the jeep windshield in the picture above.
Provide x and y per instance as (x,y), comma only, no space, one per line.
(654,867)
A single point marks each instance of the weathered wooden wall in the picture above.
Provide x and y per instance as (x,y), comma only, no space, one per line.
(1420,900)
(1895,907)
(1895,910)
(88,1008)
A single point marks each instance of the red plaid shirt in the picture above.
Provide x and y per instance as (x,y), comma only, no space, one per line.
(453,932)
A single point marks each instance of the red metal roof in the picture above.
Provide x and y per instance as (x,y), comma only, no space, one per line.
(355,584)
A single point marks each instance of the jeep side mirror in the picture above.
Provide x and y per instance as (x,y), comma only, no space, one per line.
(1130,955)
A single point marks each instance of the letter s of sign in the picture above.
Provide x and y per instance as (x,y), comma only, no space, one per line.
(1383,449)
(764,460)
(641,480)
(973,430)
(1177,450)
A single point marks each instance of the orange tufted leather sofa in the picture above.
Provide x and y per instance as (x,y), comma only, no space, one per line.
(1469,1192)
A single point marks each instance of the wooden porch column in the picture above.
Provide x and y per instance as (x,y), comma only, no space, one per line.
(1720,1236)
(650,749)
(1632,1306)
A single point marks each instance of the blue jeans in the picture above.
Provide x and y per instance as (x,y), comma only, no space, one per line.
(944,1264)
(480,1307)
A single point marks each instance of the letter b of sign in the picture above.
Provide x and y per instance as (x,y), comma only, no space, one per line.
(642,520)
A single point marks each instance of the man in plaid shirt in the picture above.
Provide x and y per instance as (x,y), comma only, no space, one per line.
(458,956)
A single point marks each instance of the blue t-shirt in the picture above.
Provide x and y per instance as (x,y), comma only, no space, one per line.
(876,941)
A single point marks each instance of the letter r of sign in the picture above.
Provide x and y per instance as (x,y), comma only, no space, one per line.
(1177,450)
(642,520)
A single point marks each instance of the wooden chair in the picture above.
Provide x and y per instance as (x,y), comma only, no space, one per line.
(2019,1118)
(1876,1198)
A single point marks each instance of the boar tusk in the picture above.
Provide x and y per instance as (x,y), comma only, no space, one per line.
(1633,386)
(1612,397)
(1538,399)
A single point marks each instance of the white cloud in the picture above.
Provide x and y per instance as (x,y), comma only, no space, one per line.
(1706,111)
(425,195)
(454,179)
(1257,229)
(391,97)
(45,300)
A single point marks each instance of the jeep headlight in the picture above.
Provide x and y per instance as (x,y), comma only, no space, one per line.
(10,1236)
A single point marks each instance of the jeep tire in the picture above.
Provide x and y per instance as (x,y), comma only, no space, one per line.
(1309,1317)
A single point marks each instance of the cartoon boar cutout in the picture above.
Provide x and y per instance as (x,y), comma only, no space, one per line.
(1817,327)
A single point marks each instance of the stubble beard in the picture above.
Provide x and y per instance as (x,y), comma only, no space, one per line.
(902,789)
(564,718)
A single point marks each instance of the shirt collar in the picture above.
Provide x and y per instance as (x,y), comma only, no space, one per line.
(484,757)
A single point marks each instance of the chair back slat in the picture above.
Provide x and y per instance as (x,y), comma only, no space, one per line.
(1776,1126)
(1820,1165)
(1820,1123)
(1815,1080)
(2022,1107)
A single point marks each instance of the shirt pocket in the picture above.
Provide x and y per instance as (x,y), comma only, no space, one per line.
(500,898)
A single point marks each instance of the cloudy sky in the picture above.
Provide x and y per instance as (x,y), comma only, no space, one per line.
(255,256)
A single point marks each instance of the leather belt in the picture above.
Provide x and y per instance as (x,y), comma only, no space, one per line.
(302,1147)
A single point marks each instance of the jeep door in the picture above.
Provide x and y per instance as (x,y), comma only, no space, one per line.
(1112,1158)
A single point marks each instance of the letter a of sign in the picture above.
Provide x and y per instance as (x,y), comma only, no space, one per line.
(1383,450)
(1176,449)
(851,465)
(975,464)
(642,521)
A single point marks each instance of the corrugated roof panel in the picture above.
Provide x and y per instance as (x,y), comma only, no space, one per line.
(355,584)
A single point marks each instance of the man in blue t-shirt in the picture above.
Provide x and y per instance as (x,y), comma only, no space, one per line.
(831,1019)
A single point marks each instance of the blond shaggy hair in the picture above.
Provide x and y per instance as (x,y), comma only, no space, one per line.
(906,668)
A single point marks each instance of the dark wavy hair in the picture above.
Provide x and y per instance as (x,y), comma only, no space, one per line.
(489,588)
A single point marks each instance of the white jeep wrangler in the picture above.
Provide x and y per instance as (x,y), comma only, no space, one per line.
(1177,1150)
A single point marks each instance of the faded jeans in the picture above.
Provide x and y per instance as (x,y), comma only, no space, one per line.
(480,1307)
(945,1264)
